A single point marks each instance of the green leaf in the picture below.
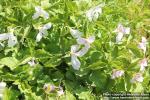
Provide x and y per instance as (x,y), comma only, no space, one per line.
(98,78)
(11,62)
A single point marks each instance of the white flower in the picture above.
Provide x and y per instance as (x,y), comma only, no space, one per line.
(75,33)
(137,78)
(143,64)
(74,60)
(142,44)
(75,52)
(83,51)
(93,13)
(86,43)
(43,31)
(49,88)
(121,31)
(32,62)
(60,92)
(117,73)
(40,12)
(12,40)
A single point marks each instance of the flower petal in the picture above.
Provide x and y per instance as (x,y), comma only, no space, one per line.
(91,39)
(3,36)
(45,14)
(47,26)
(119,37)
(81,41)
(143,64)
(144,40)
(127,30)
(93,13)
(75,62)
(142,46)
(39,37)
(40,12)
(74,48)
(12,41)
(137,78)
(83,51)
(75,33)
(36,15)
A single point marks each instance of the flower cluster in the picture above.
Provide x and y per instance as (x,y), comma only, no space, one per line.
(121,31)
(143,63)
(75,49)
(42,30)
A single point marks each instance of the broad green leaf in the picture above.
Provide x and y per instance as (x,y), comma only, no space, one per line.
(11,62)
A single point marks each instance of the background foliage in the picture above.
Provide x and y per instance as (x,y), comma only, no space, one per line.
(52,53)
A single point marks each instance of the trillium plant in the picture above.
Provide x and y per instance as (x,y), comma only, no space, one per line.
(73,49)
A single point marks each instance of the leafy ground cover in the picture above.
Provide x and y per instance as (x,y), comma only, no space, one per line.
(73,49)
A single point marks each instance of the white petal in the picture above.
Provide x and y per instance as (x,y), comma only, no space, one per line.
(119,28)
(91,39)
(75,62)
(36,15)
(12,41)
(117,73)
(47,26)
(89,15)
(127,30)
(142,68)
(60,91)
(75,33)
(40,12)
(39,37)
(140,79)
(93,13)
(38,9)
(142,46)
(119,37)
(83,51)
(74,48)
(81,41)
(97,11)
(32,62)
(137,78)
(3,36)
(45,14)
(144,40)
(143,64)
